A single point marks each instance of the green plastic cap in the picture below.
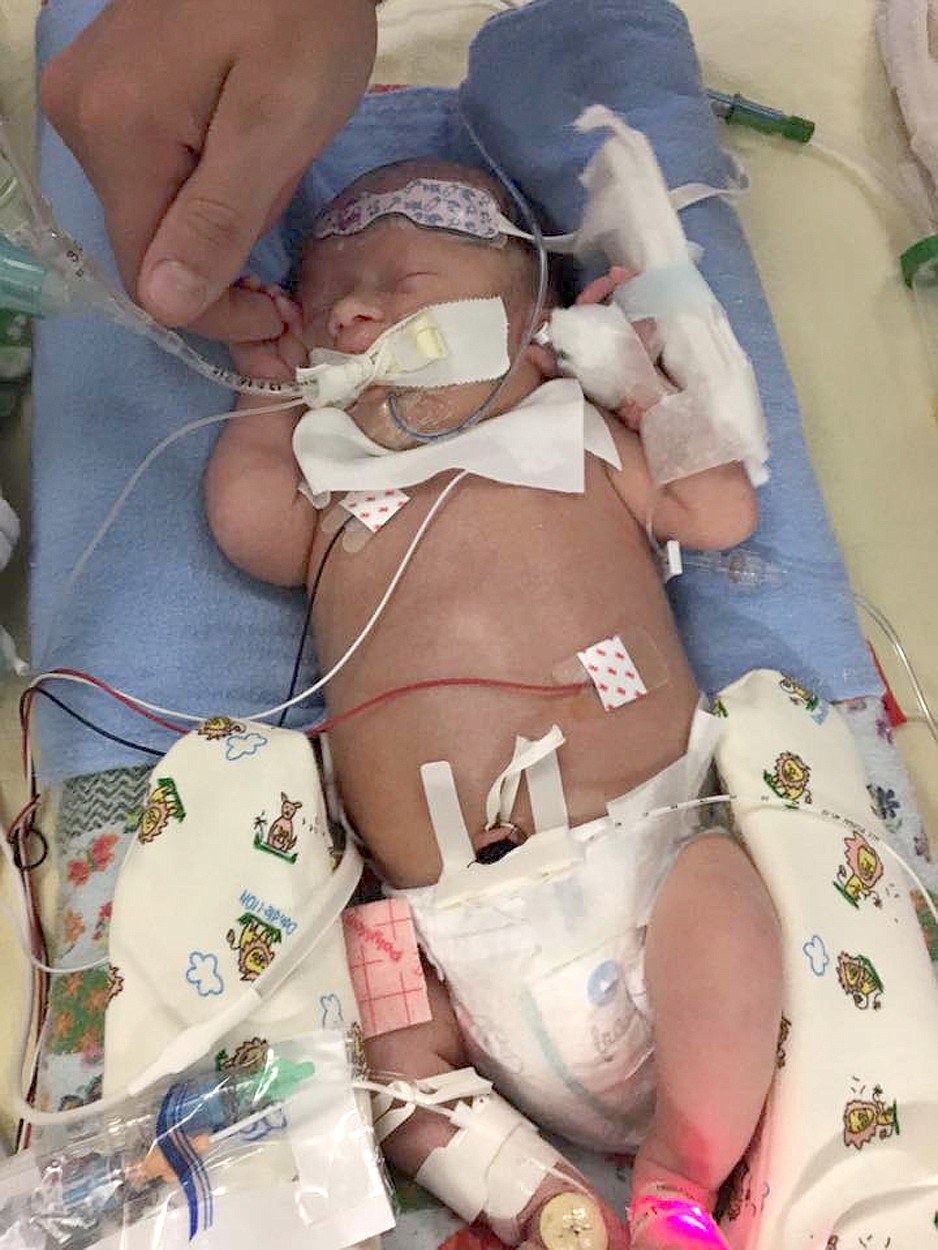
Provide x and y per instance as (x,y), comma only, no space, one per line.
(799,129)
(924,252)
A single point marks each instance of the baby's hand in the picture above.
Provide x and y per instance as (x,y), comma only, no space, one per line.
(277,358)
(601,288)
(631,412)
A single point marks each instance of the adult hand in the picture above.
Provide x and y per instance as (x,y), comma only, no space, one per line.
(194,121)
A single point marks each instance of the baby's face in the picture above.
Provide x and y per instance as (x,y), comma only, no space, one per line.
(354,288)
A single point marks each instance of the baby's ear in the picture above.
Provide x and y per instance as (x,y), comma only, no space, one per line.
(542,355)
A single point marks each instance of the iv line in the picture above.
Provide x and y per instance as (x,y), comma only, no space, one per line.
(195,718)
(58,610)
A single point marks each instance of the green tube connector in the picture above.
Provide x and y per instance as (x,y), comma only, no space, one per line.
(285,1079)
(736,110)
(920,262)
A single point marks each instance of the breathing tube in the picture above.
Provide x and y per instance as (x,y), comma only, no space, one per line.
(44,272)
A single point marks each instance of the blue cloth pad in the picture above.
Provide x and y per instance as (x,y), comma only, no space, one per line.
(160,613)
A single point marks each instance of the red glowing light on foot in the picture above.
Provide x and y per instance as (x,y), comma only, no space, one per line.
(687,1221)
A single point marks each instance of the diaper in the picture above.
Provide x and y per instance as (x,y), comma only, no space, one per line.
(232,874)
(546,971)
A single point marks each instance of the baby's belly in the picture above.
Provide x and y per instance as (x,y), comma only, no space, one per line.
(504,590)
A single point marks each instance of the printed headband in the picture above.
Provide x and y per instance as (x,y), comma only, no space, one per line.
(432,202)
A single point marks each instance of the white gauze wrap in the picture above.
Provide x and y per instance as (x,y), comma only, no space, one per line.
(714,416)
(601,348)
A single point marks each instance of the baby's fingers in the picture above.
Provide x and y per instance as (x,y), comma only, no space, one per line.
(289,310)
(601,288)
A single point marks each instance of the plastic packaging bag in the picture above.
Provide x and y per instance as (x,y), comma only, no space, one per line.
(277,1149)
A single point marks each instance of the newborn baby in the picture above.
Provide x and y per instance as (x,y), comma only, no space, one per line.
(617,977)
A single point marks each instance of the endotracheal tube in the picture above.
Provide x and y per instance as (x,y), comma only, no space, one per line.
(44,271)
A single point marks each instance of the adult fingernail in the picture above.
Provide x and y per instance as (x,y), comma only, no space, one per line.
(174,293)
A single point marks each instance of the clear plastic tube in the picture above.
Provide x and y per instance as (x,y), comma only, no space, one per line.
(737,110)
(747,567)
(871,175)
(58,612)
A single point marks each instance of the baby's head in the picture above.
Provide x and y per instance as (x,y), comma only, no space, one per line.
(360,279)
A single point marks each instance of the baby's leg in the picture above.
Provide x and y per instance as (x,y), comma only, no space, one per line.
(418,1051)
(714,977)
(424,1050)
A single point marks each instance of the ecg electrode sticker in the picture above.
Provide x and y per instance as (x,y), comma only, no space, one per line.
(623,667)
(613,672)
(374,508)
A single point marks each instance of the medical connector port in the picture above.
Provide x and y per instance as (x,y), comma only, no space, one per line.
(736,110)
(274,1145)
(27,286)
(920,270)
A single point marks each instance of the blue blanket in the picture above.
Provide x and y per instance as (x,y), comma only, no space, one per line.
(159,612)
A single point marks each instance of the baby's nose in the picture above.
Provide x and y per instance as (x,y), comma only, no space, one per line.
(355,322)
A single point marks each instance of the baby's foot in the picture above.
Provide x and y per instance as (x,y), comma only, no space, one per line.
(665,1218)
(572,1219)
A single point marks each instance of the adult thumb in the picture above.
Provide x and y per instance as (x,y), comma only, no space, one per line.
(251,155)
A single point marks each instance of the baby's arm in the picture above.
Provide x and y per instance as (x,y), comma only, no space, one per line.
(255,511)
(712,509)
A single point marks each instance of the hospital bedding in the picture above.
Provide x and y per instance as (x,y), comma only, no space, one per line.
(93,810)
(159,612)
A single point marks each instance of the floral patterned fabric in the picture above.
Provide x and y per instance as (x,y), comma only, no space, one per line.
(94,827)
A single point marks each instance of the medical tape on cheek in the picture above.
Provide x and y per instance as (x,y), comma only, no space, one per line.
(446,344)
(622,668)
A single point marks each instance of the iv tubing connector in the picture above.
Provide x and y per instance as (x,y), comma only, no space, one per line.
(736,110)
